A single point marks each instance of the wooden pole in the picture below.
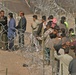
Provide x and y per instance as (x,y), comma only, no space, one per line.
(43,47)
(6,71)
(61,69)
(75,26)
(53,62)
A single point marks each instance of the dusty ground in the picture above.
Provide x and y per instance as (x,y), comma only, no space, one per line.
(13,63)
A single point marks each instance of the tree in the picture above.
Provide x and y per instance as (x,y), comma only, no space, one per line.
(41,5)
(47,7)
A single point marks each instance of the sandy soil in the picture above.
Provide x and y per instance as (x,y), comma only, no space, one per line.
(13,63)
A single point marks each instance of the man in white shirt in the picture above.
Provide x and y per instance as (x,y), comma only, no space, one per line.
(64,62)
(35,24)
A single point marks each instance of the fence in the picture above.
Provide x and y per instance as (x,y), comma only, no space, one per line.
(34,58)
(29,51)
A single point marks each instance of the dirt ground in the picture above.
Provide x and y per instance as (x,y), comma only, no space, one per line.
(13,63)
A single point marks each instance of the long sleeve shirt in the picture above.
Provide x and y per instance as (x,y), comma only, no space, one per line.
(11,28)
(64,60)
(72,67)
(3,21)
(35,25)
(22,24)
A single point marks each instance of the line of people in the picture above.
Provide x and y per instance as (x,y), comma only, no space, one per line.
(59,38)
(8,30)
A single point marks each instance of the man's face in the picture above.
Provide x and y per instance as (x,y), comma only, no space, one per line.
(68,43)
(2,14)
(55,32)
(47,27)
(43,20)
(8,16)
(34,19)
(20,14)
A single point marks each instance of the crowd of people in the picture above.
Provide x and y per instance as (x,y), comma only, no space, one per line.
(8,29)
(57,37)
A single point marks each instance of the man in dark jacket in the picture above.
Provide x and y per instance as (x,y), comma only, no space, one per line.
(21,29)
(41,28)
(72,66)
(39,31)
(3,21)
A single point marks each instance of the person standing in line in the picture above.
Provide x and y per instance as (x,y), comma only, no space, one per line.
(35,25)
(41,25)
(50,18)
(11,31)
(4,23)
(21,28)
(64,24)
(4,20)
(72,66)
(64,62)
